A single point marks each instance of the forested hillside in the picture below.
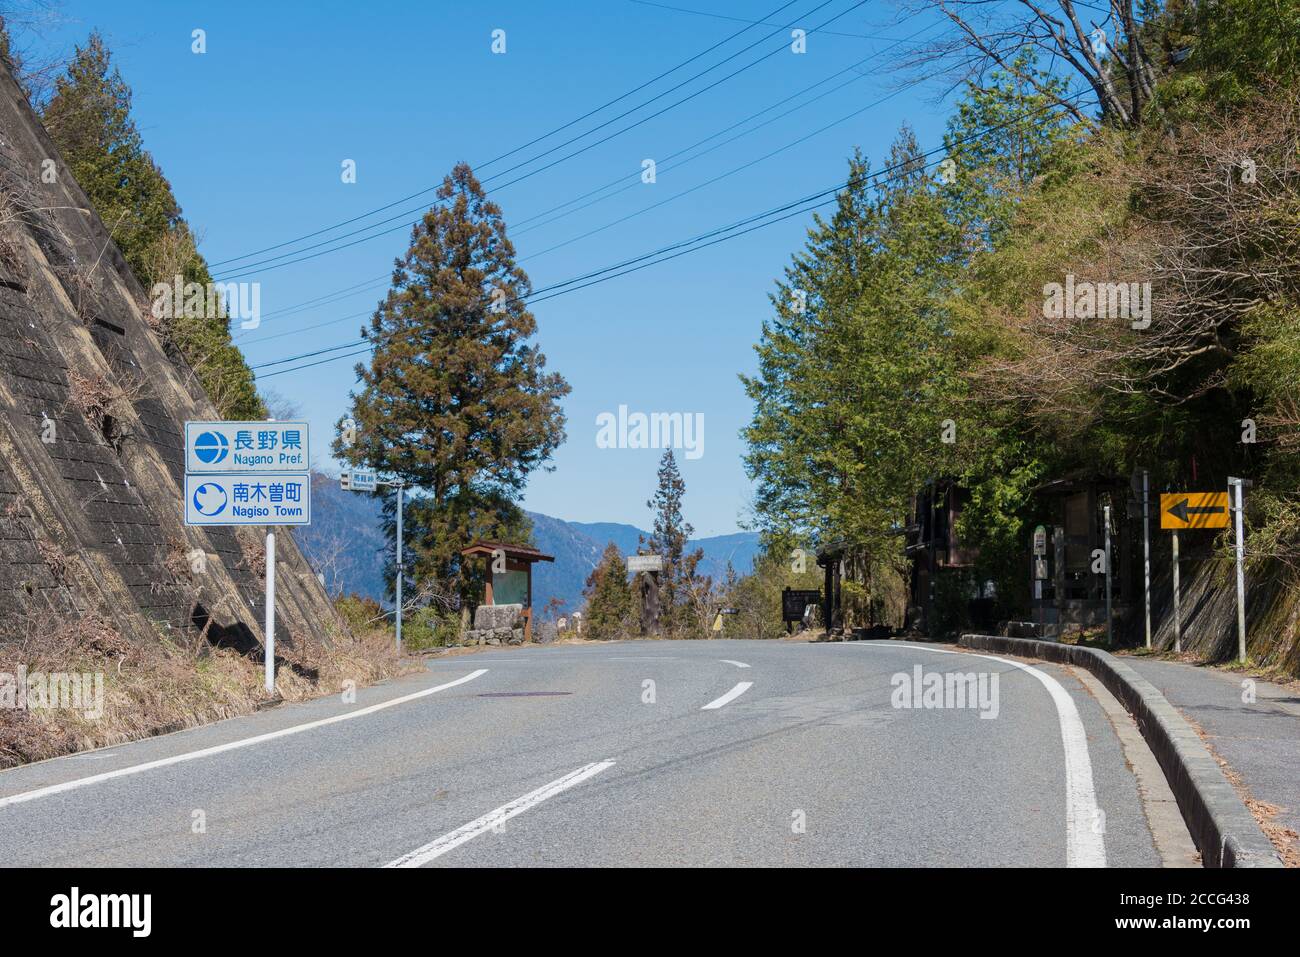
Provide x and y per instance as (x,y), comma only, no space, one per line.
(1098,273)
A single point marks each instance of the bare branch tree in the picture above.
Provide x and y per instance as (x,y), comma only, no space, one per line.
(1106,51)
(1211,227)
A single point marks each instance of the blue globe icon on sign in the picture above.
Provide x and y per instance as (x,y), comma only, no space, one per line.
(211,447)
(209,499)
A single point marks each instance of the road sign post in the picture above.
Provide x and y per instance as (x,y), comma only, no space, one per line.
(1236,485)
(365,480)
(250,473)
(1110,628)
(270,611)
(1146,554)
(1040,575)
(1178,620)
(400,489)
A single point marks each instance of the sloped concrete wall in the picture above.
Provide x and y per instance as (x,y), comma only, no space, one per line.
(90,508)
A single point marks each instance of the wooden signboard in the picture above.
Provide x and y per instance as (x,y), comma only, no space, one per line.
(795,600)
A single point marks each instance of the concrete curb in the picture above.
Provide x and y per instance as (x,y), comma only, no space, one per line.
(1224,830)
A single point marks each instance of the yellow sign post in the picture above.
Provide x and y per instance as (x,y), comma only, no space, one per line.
(1179,510)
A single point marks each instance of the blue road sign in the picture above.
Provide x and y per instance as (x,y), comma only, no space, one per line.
(224,447)
(261,499)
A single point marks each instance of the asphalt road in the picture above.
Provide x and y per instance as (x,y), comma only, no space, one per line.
(626,754)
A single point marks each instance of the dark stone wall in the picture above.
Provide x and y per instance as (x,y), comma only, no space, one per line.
(91,519)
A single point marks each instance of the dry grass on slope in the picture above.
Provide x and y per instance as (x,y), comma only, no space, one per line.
(157,686)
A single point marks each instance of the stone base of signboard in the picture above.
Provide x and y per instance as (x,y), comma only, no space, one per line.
(496,625)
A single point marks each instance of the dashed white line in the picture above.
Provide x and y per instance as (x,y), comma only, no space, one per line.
(434,849)
(230,745)
(738,664)
(730,696)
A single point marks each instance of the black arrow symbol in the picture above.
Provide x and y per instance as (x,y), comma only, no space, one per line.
(1182,510)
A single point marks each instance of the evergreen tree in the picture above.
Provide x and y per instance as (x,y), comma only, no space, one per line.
(456,401)
(89,119)
(680,588)
(852,391)
(610,608)
(795,409)
(1001,137)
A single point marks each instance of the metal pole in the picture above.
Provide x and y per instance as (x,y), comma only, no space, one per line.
(1146,556)
(399,567)
(1110,636)
(270,612)
(1178,622)
(1237,483)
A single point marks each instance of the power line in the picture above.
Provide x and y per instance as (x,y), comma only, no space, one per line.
(515,232)
(713,237)
(757,23)
(722,176)
(269,264)
(532,142)
(384,279)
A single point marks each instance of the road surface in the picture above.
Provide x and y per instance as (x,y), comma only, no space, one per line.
(624,754)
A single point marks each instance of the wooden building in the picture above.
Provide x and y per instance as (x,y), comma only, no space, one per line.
(511,582)
(1072,596)
(933,551)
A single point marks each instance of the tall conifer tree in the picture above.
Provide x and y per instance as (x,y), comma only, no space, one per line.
(455,400)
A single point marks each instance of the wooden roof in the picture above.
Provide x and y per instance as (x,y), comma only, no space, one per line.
(520,553)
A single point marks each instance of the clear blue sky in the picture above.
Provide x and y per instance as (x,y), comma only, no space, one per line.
(252,134)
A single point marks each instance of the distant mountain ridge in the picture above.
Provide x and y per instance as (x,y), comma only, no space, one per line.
(354,518)
(577,547)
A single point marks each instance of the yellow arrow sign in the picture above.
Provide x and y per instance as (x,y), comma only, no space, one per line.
(1180,510)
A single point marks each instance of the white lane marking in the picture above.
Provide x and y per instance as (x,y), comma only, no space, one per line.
(730,696)
(1085,845)
(738,664)
(423,855)
(229,746)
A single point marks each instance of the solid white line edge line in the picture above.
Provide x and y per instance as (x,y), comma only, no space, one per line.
(730,696)
(230,745)
(1085,845)
(440,846)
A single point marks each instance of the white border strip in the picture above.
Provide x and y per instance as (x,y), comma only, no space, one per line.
(729,697)
(229,746)
(466,832)
(1085,844)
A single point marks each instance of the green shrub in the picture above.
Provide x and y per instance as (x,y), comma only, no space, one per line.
(429,627)
(361,613)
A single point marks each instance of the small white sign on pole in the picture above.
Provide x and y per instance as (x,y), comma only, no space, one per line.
(645,563)
(363,481)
